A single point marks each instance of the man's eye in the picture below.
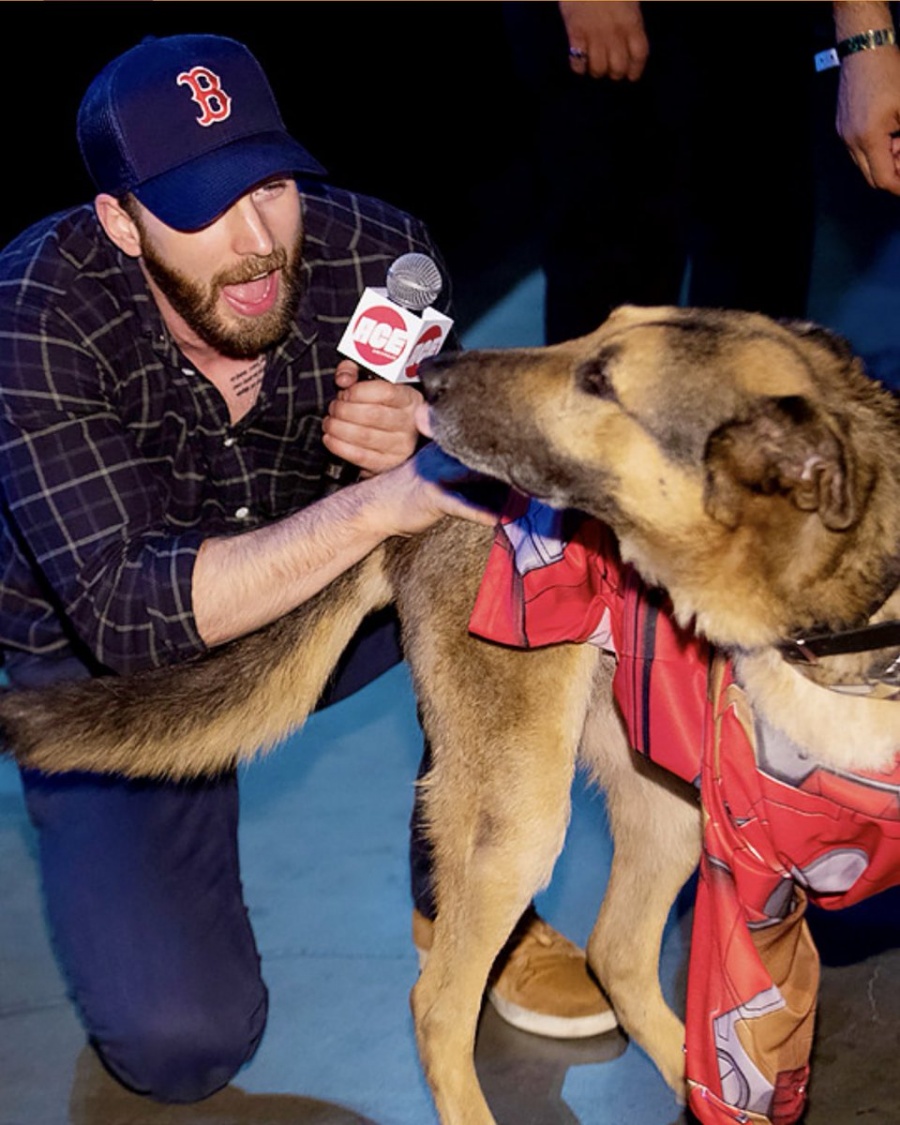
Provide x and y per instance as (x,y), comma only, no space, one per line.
(273,187)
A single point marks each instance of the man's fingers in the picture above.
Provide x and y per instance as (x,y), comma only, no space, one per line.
(346,373)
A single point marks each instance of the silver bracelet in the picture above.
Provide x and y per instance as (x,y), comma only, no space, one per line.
(865,41)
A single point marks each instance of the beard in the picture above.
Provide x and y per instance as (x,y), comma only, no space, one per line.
(198,304)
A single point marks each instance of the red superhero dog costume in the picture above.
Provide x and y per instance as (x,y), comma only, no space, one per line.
(777,828)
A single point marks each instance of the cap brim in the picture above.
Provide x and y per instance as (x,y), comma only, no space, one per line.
(193,195)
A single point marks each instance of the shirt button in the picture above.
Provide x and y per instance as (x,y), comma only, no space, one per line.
(229,442)
(241,513)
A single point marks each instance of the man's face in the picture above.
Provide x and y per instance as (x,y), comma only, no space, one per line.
(237,282)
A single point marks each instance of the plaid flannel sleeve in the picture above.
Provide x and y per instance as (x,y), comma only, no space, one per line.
(86,510)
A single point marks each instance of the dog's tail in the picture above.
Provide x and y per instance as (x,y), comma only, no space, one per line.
(201,717)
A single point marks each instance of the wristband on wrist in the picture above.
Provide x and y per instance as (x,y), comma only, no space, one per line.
(864,41)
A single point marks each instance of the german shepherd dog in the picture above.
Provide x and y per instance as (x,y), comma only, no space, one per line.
(749,468)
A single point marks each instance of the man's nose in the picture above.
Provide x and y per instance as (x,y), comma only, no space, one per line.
(250,234)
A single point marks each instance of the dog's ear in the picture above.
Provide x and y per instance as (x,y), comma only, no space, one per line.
(783,447)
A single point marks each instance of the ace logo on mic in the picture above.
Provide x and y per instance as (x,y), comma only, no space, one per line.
(391,340)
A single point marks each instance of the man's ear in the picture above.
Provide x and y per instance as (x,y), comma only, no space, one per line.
(120,228)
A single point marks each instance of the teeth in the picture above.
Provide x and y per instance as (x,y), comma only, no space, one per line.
(255,277)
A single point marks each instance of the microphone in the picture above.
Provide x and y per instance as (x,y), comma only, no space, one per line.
(393,329)
(389,334)
(414,281)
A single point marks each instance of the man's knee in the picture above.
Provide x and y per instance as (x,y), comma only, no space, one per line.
(182,1056)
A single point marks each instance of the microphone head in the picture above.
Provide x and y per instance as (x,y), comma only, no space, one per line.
(413,281)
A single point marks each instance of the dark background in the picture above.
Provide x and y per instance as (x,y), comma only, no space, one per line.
(416,103)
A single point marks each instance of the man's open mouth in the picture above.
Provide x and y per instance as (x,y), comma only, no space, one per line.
(253,297)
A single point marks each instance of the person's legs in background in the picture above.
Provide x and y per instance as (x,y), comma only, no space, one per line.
(751,136)
(705,160)
(611,176)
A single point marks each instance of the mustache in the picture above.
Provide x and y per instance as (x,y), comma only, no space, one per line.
(251,267)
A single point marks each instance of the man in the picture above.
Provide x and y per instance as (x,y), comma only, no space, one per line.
(165,429)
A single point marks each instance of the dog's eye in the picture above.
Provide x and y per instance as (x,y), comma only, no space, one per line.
(593,376)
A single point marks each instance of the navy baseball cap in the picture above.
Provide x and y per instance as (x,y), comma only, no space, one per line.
(187,124)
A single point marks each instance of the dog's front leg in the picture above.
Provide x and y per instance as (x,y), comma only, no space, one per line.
(504,738)
(655,823)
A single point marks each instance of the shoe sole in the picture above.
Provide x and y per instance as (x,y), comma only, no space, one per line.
(552,1027)
(540,1023)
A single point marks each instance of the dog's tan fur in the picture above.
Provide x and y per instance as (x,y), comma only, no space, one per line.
(749,468)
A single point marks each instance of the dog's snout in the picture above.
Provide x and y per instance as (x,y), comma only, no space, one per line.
(434,374)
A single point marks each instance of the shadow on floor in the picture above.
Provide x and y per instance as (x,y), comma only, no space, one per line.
(97,1099)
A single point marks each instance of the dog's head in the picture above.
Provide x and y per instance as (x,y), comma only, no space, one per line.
(747,466)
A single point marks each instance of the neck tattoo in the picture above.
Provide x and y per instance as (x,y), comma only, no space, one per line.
(248,380)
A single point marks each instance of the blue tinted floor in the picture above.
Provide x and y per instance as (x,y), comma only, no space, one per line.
(324,860)
(331,910)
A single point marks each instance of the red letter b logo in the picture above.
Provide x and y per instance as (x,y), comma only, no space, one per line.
(207,92)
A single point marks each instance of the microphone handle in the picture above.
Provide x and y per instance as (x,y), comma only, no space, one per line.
(339,472)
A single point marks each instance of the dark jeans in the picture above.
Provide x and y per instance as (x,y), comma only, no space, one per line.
(420,865)
(143,895)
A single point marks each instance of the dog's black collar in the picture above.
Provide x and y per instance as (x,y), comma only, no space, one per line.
(867,638)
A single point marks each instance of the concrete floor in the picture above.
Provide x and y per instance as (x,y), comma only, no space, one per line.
(331,913)
(331,909)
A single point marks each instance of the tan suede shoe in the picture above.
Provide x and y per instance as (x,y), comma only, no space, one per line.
(540,982)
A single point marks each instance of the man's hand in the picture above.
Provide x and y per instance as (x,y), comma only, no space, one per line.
(427,488)
(371,422)
(611,35)
(868,108)
(868,114)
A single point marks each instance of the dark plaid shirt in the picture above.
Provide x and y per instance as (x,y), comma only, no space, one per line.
(117,459)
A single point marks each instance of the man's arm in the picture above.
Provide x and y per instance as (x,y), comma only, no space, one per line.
(868,109)
(92,513)
(243,582)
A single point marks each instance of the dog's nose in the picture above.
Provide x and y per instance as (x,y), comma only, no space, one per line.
(434,374)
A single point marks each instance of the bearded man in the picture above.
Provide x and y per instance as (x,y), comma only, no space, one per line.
(168,357)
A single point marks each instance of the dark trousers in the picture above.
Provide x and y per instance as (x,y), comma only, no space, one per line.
(144,899)
(421,870)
